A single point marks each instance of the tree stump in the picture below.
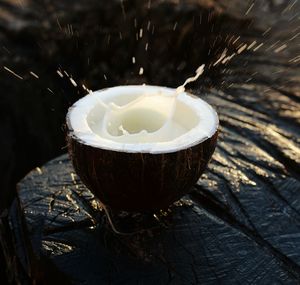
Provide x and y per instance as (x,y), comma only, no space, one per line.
(231,229)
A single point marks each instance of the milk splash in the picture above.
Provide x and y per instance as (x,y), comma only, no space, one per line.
(147,119)
(199,72)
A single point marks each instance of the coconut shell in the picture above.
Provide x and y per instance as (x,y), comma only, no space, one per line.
(139,181)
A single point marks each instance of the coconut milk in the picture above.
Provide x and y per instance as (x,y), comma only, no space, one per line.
(149,118)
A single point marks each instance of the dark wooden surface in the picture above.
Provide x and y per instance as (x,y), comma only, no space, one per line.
(239,225)
(240,230)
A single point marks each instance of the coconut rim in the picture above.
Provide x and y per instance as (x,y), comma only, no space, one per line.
(71,133)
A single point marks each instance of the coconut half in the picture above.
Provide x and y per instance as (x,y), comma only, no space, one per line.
(140,148)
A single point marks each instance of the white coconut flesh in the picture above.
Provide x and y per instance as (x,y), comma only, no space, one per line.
(147,119)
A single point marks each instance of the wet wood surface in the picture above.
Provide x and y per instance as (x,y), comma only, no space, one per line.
(239,225)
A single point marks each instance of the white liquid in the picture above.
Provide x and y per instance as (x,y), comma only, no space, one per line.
(147,119)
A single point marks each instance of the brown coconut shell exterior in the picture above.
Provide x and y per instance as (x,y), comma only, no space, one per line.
(139,182)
